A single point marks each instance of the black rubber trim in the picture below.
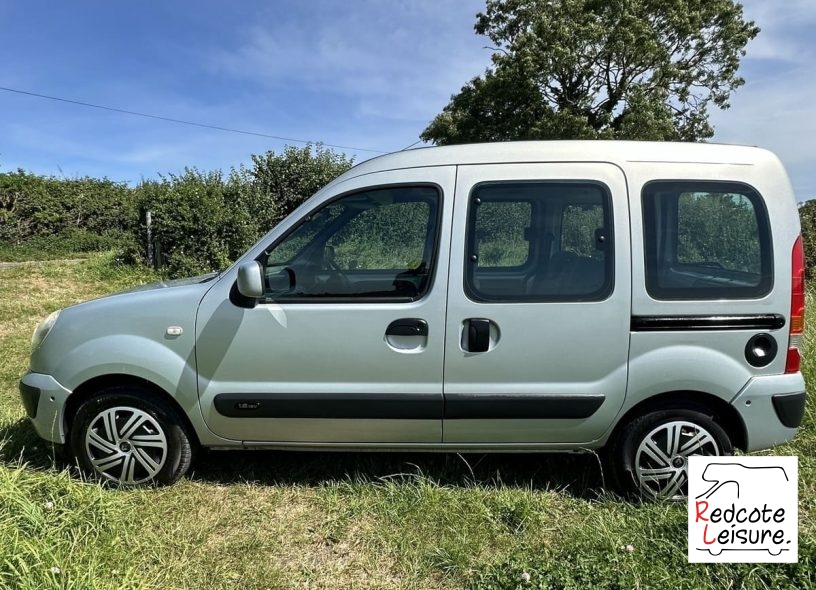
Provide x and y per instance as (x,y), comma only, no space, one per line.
(660,323)
(388,406)
(31,399)
(334,299)
(475,406)
(790,408)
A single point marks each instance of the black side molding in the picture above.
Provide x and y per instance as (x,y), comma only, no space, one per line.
(658,323)
(790,408)
(409,406)
(388,406)
(462,406)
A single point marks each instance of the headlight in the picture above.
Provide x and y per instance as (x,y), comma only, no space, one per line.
(42,330)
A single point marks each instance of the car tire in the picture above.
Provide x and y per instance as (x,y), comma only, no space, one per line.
(128,436)
(650,457)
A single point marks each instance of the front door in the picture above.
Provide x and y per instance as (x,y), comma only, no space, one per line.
(539,304)
(347,344)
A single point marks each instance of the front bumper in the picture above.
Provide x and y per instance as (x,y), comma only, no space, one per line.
(768,406)
(44,401)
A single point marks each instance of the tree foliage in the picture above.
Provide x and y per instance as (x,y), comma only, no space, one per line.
(64,214)
(807,217)
(202,220)
(283,181)
(599,69)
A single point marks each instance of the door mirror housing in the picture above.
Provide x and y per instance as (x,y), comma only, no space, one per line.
(250,280)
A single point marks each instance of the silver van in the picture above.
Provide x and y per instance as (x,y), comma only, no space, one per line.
(645,300)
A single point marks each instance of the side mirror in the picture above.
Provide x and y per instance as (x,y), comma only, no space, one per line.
(250,280)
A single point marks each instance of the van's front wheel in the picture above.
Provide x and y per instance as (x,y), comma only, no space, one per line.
(651,457)
(129,437)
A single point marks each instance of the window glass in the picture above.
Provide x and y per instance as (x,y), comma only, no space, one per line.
(578,226)
(706,241)
(500,231)
(374,244)
(539,241)
(385,237)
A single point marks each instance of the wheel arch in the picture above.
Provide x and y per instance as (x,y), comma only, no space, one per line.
(93,387)
(723,413)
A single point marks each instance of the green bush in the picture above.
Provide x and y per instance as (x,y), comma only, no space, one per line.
(64,212)
(281,182)
(807,216)
(202,221)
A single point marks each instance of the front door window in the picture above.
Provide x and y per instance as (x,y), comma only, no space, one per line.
(376,244)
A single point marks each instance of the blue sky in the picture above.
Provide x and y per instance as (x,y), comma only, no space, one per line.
(363,73)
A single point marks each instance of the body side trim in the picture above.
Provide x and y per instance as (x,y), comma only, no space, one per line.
(705,322)
(389,406)
(546,406)
(408,406)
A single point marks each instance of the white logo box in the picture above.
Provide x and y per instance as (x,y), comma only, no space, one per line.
(743,510)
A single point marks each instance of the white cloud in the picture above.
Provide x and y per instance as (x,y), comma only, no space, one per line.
(394,61)
(775,107)
(785,29)
(777,114)
(376,71)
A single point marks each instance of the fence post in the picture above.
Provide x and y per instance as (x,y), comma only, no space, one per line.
(149,224)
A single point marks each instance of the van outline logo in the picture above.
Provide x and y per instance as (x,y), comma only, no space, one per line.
(715,488)
(743,509)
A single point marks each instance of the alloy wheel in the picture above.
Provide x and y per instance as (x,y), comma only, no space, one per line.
(661,459)
(126,445)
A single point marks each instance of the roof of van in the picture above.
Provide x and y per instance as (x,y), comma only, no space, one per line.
(562,151)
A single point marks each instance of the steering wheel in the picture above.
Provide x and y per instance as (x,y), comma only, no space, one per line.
(336,282)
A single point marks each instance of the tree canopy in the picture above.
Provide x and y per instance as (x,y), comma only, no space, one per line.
(599,69)
(201,220)
(807,217)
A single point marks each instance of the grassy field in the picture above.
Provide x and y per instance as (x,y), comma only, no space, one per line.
(298,520)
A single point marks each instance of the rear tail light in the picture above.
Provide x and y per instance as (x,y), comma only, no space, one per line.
(797,314)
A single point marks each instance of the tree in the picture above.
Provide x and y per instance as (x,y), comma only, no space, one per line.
(807,216)
(283,181)
(203,221)
(599,69)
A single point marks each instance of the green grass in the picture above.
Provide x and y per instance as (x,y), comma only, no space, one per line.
(290,520)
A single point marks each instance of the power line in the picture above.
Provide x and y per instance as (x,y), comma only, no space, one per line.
(182,122)
(408,147)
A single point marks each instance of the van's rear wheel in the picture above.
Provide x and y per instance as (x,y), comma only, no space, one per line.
(128,436)
(651,457)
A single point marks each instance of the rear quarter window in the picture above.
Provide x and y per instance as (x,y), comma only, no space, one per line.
(706,240)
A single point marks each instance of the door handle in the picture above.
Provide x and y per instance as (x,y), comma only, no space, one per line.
(407,327)
(478,334)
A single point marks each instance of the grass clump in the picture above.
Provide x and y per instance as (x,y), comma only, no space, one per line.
(57,532)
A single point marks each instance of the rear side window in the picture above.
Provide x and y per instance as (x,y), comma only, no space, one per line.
(706,240)
(501,229)
(539,241)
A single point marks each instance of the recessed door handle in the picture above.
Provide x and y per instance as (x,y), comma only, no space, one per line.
(407,327)
(478,335)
